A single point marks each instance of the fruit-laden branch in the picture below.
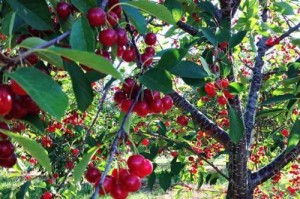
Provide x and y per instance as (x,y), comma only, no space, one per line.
(275,166)
(205,124)
(114,146)
(201,156)
(255,85)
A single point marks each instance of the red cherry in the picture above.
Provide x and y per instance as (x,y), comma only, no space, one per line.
(142,109)
(119,96)
(120,51)
(156,105)
(46,195)
(227,94)
(107,185)
(210,89)
(150,39)
(92,175)
(9,161)
(126,104)
(221,100)
(31,107)
(150,95)
(128,85)
(119,174)
(183,120)
(108,37)
(129,55)
(112,18)
(146,169)
(118,192)
(150,50)
(174,154)
(122,37)
(131,183)
(145,142)
(32,59)
(146,59)
(224,83)
(6,101)
(18,111)
(63,10)
(118,10)
(167,102)
(96,17)
(3,126)
(135,162)
(6,149)
(223,45)
(285,132)
(16,88)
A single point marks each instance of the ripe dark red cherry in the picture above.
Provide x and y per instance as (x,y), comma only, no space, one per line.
(146,169)
(30,105)
(108,37)
(122,37)
(6,149)
(46,195)
(150,39)
(145,142)
(150,50)
(3,126)
(156,106)
(167,102)
(210,89)
(119,192)
(221,100)
(63,10)
(135,162)
(18,111)
(128,85)
(9,161)
(146,59)
(16,88)
(150,95)
(107,185)
(129,55)
(183,120)
(142,109)
(6,101)
(92,175)
(119,96)
(112,18)
(126,104)
(96,17)
(131,183)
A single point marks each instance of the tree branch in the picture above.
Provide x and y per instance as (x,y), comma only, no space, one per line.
(206,124)
(275,166)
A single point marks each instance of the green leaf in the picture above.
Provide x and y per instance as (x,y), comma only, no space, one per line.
(170,58)
(81,166)
(207,6)
(175,8)
(35,13)
(269,112)
(162,129)
(137,19)
(165,180)
(157,79)
(284,8)
(210,36)
(294,137)
(176,167)
(236,129)
(93,76)
(188,69)
(237,38)
(151,180)
(236,88)
(33,148)
(89,59)
(205,66)
(43,90)
(279,98)
(82,37)
(81,86)
(157,10)
(35,121)
(51,58)
(22,190)
(82,6)
(200,180)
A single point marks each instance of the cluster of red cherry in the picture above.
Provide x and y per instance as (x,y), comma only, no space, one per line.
(221,85)
(122,181)
(7,156)
(15,103)
(150,102)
